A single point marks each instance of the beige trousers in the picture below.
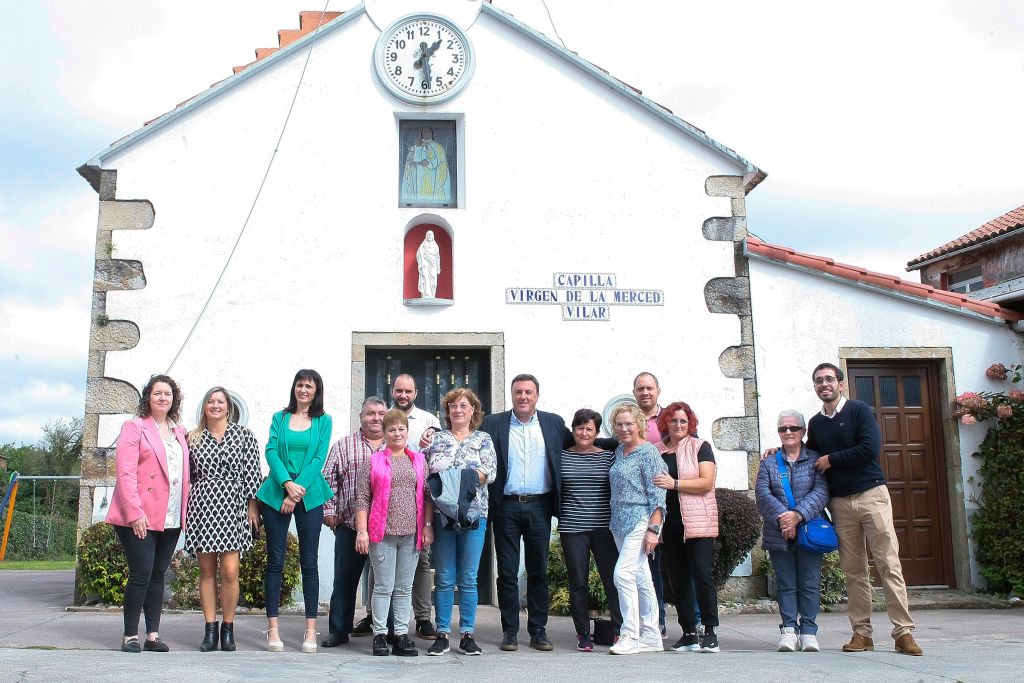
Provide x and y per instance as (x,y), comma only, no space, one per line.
(863,523)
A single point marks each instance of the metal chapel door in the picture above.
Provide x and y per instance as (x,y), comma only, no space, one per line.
(905,403)
(436,372)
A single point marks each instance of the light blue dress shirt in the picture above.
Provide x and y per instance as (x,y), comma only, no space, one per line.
(528,472)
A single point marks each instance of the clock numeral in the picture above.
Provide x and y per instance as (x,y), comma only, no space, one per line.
(455,59)
(401,44)
(411,80)
(425,85)
(438,81)
(393,56)
(410,34)
(424,31)
(398,71)
(451,44)
(451,71)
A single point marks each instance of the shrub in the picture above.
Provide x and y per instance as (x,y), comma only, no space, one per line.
(254,565)
(40,537)
(739,528)
(184,581)
(102,567)
(558,580)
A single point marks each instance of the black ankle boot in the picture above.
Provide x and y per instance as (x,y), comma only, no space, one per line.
(210,639)
(227,637)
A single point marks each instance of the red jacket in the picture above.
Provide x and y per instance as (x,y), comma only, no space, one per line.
(143,486)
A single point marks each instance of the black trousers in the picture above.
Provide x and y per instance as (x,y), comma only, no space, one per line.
(148,559)
(530,522)
(690,568)
(577,548)
(348,567)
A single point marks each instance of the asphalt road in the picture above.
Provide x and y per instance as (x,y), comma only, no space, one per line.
(41,641)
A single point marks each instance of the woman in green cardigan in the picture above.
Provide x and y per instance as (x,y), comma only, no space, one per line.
(299,437)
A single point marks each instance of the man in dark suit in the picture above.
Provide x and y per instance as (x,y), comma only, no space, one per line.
(523,498)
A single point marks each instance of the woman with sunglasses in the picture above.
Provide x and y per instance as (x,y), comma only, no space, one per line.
(691,525)
(797,572)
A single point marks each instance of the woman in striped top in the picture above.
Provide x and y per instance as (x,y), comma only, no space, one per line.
(583,524)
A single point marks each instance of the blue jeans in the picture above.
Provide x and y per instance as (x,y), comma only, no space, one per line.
(456,562)
(798,588)
(307,523)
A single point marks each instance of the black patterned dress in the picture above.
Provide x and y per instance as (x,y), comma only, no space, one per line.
(225,476)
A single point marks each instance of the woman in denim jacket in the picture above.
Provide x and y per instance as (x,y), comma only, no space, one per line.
(797,571)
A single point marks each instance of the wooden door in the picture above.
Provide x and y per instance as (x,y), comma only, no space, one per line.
(904,399)
(436,372)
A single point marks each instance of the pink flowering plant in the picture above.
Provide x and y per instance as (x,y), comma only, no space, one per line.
(977,406)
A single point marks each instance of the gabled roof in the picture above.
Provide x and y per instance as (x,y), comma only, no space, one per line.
(1009,222)
(315,24)
(884,284)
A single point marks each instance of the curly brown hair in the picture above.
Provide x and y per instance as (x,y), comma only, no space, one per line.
(466,393)
(174,414)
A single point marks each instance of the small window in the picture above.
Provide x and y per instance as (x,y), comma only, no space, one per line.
(966,280)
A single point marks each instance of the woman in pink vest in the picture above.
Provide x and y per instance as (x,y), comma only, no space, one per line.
(691,525)
(393,513)
(147,509)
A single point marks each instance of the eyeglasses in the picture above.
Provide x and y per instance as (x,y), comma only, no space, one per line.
(677,422)
(625,425)
(789,428)
(818,381)
(460,406)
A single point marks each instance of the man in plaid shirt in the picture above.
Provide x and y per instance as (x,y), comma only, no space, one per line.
(346,456)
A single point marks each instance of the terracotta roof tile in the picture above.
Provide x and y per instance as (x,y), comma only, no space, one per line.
(1008,222)
(824,264)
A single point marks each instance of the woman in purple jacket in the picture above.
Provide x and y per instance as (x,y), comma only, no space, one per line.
(797,571)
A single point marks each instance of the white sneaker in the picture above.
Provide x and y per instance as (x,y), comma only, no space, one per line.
(651,645)
(809,643)
(626,645)
(788,642)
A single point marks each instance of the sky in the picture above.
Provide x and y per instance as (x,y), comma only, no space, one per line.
(886,128)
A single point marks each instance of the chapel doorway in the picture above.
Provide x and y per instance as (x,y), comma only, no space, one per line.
(904,399)
(436,372)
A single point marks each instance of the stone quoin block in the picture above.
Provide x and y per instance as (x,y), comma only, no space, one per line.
(135,214)
(729,295)
(118,274)
(106,396)
(117,335)
(735,433)
(722,229)
(737,362)
(724,186)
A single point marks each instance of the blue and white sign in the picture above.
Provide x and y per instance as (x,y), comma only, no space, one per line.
(585,296)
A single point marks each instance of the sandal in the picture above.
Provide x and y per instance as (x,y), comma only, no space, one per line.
(274,645)
(307,645)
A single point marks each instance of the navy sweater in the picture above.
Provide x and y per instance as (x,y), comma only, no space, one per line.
(851,441)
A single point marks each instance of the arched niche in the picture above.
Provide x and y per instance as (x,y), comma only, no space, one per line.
(414,236)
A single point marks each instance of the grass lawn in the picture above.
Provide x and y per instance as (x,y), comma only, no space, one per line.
(38,564)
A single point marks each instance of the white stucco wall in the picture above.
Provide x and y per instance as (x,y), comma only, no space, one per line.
(801,320)
(322,254)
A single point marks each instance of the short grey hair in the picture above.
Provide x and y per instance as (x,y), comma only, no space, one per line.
(795,414)
(372,401)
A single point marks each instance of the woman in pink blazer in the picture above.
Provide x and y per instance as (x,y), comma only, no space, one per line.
(147,509)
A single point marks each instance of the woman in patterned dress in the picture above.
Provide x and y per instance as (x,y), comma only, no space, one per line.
(222,511)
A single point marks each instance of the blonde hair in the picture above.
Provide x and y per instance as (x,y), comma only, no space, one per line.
(197,434)
(634,412)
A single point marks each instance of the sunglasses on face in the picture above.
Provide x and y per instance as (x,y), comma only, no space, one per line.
(789,428)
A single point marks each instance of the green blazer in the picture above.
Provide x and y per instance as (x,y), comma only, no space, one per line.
(310,476)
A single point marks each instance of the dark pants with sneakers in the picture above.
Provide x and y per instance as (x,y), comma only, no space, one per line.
(348,568)
(148,559)
(690,566)
(529,521)
(577,548)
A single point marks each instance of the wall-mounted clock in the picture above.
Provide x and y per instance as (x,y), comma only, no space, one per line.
(423,59)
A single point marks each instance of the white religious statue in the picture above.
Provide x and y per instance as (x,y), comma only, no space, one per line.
(425,177)
(428,262)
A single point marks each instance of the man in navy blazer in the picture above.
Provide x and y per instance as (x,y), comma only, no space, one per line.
(523,498)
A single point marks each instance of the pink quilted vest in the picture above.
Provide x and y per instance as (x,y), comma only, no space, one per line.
(699,511)
(380,487)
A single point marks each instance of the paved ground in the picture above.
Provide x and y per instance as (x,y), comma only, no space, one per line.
(41,641)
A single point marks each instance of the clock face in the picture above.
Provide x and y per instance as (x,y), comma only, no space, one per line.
(423,58)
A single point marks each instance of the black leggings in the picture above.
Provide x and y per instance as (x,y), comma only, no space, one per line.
(148,559)
(690,567)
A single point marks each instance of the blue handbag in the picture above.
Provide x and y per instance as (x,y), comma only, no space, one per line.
(814,535)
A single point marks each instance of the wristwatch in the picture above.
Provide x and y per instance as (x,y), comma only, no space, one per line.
(655,529)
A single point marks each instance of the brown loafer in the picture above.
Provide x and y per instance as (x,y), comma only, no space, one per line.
(859,643)
(906,645)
